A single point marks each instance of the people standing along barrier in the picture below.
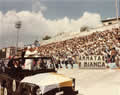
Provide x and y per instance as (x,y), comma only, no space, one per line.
(112,58)
(70,61)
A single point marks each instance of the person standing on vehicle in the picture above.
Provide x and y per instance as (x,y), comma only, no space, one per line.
(22,56)
(2,66)
(28,62)
(35,52)
(10,63)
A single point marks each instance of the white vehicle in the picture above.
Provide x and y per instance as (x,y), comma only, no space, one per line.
(42,80)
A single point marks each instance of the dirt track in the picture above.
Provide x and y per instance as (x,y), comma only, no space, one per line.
(95,82)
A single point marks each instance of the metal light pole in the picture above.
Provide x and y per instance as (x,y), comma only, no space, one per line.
(117,13)
(18,26)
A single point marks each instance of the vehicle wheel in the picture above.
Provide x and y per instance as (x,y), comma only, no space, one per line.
(25,92)
(5,91)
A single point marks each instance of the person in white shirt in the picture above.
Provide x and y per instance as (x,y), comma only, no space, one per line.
(28,62)
(35,52)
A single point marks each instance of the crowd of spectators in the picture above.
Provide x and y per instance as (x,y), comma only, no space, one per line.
(104,43)
(97,43)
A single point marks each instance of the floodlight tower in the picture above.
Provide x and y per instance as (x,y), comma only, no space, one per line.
(17,26)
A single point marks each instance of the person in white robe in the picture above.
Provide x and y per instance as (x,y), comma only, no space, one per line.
(28,62)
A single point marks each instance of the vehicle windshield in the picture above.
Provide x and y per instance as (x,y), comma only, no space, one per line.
(42,64)
(32,63)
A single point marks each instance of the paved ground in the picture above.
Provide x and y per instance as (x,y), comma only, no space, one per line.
(95,82)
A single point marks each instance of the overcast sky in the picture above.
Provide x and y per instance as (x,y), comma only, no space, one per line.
(51,17)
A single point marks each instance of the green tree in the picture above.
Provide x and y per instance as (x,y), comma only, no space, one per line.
(46,37)
(84,28)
